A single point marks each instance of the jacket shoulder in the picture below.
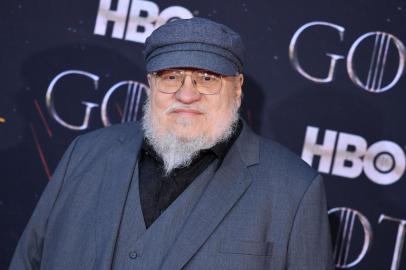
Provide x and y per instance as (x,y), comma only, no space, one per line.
(114,132)
(97,143)
(289,168)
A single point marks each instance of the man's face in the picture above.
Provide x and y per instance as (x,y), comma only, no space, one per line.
(188,114)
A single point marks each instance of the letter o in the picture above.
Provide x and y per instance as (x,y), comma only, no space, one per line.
(172,13)
(384,162)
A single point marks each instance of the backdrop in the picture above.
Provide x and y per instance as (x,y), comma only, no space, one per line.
(324,78)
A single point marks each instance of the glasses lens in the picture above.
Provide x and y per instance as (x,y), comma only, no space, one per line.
(206,82)
(169,81)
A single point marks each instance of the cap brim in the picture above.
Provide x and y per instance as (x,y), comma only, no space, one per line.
(192,59)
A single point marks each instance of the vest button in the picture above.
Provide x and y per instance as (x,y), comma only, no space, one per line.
(133,254)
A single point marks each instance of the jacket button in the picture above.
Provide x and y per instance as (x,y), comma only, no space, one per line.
(133,254)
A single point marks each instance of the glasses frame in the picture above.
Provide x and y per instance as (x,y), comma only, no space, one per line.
(154,75)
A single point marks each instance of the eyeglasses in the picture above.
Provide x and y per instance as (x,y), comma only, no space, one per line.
(169,81)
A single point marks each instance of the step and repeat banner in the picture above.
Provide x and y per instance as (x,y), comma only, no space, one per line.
(324,78)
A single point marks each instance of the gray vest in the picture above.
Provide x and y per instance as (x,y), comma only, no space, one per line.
(138,248)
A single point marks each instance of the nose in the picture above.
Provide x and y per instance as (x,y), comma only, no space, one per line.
(188,93)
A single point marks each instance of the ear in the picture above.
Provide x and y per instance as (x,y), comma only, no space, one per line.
(238,87)
(149,77)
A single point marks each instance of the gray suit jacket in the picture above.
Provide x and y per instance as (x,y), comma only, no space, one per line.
(264,209)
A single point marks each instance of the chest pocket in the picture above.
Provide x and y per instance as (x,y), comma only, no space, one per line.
(244,255)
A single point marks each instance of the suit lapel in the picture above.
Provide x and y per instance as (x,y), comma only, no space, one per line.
(226,187)
(114,187)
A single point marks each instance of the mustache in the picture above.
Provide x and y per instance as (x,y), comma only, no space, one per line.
(177,106)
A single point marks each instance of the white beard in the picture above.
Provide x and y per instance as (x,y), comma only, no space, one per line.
(179,152)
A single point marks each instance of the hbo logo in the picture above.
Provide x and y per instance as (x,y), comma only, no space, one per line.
(135,20)
(347,155)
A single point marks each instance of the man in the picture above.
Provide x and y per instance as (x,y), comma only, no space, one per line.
(193,188)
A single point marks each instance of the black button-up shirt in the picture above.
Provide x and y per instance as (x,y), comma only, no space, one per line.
(158,191)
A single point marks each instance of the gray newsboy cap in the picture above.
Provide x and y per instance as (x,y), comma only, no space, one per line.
(195,43)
